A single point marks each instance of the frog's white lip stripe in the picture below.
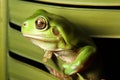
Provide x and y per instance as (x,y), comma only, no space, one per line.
(41,38)
(33,36)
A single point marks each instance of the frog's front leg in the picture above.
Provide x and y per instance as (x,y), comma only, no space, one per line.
(80,62)
(47,55)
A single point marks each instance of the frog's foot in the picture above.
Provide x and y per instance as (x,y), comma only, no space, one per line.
(59,75)
(72,68)
(54,72)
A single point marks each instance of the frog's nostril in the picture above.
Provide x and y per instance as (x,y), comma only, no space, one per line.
(24,24)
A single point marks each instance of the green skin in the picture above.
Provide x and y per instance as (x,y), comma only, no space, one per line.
(56,35)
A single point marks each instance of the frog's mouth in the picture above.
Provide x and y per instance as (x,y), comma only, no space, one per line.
(41,38)
(42,42)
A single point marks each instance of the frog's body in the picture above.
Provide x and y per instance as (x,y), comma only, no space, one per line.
(56,35)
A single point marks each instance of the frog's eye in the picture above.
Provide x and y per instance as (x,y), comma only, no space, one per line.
(41,23)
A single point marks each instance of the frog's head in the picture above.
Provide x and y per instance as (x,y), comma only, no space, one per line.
(47,31)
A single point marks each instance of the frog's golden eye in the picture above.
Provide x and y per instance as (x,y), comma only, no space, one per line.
(41,23)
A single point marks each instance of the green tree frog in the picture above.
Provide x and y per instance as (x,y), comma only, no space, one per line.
(58,36)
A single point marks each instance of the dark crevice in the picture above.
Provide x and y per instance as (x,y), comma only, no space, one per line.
(75,6)
(28,61)
(109,50)
(14,26)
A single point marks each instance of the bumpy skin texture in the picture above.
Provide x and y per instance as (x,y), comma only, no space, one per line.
(56,35)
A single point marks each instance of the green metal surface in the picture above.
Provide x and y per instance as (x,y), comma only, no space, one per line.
(97,22)
(3,39)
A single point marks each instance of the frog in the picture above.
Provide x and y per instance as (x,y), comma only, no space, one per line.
(58,36)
